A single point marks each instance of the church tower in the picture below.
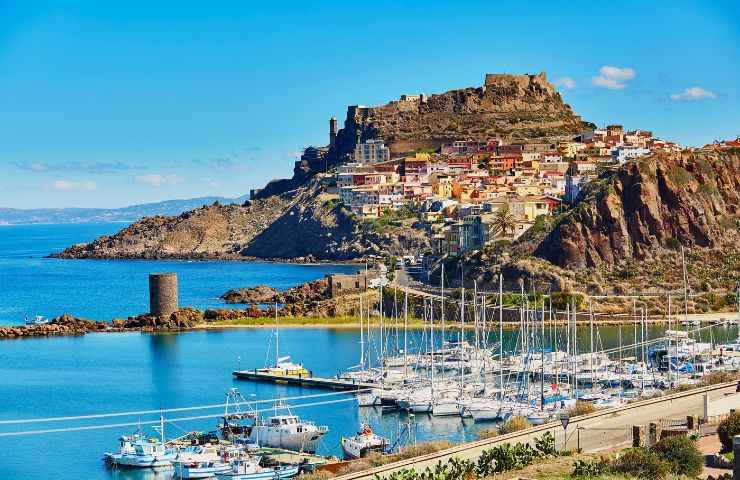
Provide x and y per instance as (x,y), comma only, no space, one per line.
(332,131)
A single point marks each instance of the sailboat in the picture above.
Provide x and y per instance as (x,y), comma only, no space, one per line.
(283,366)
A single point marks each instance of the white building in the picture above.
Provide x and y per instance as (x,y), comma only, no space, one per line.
(623,153)
(372,151)
(346,174)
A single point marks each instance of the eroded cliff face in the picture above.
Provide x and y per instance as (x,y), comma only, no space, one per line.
(660,202)
(301,225)
(516,107)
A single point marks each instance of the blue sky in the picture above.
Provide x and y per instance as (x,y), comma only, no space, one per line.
(113,103)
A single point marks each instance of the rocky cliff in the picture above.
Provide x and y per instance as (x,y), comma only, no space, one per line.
(303,225)
(659,202)
(515,107)
(626,234)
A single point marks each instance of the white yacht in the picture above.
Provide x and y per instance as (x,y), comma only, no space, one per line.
(250,469)
(287,431)
(364,442)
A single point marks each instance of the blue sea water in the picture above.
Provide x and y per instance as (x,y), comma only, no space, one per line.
(123,372)
(106,289)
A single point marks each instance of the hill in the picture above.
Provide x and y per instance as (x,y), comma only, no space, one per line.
(302,225)
(626,233)
(14,216)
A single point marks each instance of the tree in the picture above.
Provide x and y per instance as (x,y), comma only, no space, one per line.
(504,220)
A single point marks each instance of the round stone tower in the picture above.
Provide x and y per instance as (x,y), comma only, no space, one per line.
(162,294)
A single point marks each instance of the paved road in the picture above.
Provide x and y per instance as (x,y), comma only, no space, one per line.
(598,431)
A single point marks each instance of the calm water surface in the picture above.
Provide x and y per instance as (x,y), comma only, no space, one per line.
(119,372)
(107,289)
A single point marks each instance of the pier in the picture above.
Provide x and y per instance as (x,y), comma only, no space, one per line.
(314,382)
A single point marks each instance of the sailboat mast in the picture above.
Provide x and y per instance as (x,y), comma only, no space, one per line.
(501,333)
(362,338)
(442,314)
(277,337)
(670,359)
(542,358)
(591,334)
(405,334)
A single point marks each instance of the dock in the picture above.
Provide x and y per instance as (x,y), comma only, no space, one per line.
(313,382)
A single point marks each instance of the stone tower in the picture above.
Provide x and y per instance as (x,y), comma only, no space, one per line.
(332,131)
(162,294)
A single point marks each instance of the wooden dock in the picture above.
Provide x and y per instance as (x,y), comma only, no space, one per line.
(313,382)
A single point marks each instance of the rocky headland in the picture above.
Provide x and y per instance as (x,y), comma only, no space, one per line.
(627,232)
(303,225)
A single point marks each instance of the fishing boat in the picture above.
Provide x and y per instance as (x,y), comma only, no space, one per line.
(200,462)
(250,469)
(138,451)
(364,442)
(232,423)
(288,432)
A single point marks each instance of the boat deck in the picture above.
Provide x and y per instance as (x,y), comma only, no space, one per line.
(314,382)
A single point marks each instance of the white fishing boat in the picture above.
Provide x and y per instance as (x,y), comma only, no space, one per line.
(250,469)
(364,442)
(199,461)
(138,451)
(288,432)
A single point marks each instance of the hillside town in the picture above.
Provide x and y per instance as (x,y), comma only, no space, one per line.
(468,192)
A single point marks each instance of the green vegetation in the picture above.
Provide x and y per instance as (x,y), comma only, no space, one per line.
(680,175)
(672,243)
(727,429)
(499,459)
(388,218)
(592,468)
(682,454)
(561,299)
(504,221)
(641,463)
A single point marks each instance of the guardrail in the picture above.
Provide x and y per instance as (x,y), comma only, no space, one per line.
(442,455)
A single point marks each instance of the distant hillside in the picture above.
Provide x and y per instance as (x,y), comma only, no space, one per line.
(303,224)
(131,213)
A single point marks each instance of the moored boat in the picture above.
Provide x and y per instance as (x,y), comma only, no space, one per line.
(364,442)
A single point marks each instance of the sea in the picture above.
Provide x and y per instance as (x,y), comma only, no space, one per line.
(111,373)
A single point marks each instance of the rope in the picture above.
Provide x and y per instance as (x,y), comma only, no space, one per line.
(156,422)
(167,410)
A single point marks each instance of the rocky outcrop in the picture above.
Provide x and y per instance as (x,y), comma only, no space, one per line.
(303,225)
(66,324)
(515,107)
(316,290)
(659,202)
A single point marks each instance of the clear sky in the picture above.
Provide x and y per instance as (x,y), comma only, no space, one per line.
(115,103)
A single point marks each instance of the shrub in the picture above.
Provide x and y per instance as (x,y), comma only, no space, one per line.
(581,408)
(682,454)
(591,468)
(728,428)
(641,463)
(487,433)
(545,445)
(514,424)
(717,377)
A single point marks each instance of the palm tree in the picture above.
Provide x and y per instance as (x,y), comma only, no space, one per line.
(504,220)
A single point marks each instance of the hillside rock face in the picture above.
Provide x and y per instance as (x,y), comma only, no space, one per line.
(301,225)
(692,199)
(516,107)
